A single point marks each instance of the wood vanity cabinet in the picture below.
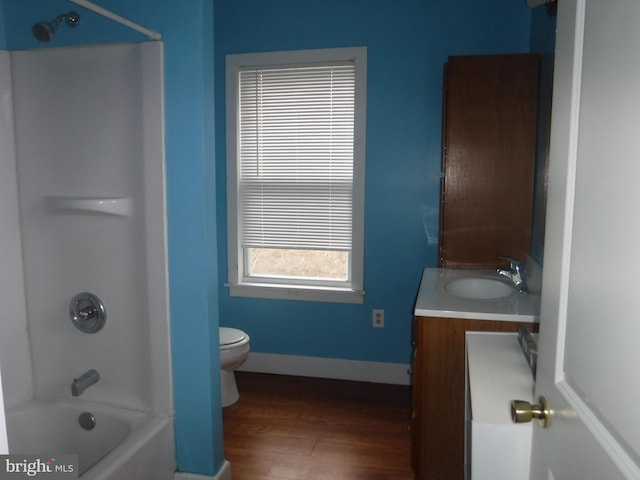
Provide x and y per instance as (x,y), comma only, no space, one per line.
(488,159)
(438,393)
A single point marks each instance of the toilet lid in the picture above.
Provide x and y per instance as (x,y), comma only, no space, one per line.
(229,336)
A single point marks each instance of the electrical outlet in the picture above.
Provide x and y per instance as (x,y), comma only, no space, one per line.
(378,318)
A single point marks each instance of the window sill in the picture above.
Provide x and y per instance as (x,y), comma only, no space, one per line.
(296,292)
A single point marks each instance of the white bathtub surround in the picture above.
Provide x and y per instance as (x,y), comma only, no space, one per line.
(339,369)
(99,134)
(15,352)
(223,474)
(89,152)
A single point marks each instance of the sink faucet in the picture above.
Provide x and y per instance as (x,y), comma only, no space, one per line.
(515,273)
(79,385)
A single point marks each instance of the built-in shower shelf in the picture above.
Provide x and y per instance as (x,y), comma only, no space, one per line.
(102,205)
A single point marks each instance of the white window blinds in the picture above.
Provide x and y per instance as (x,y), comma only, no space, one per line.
(296,163)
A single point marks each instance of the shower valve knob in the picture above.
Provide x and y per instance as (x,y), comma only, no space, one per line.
(87,312)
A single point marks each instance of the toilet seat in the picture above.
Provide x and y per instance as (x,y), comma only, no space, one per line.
(232,337)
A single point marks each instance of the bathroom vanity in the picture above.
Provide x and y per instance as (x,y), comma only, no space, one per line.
(450,303)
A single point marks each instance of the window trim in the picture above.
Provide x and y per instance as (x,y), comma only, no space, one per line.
(238,286)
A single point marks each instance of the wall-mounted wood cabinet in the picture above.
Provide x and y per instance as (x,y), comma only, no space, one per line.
(488,158)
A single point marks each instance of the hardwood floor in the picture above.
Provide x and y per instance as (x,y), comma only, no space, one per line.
(296,428)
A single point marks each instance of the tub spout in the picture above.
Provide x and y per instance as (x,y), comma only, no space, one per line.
(79,385)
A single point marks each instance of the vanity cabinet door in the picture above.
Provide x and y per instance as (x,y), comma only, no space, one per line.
(488,159)
(438,393)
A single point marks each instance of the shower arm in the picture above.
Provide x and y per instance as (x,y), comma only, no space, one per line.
(153,35)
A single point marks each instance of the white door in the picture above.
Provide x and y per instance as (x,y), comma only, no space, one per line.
(589,364)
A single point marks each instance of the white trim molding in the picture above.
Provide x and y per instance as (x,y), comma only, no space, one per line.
(318,367)
(241,219)
(223,474)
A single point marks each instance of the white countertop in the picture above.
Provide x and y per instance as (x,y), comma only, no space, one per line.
(434,301)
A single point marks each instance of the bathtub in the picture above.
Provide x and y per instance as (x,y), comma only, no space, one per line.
(123,445)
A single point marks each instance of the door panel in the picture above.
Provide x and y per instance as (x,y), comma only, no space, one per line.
(602,335)
(590,313)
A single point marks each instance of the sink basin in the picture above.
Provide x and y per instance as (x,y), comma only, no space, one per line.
(478,288)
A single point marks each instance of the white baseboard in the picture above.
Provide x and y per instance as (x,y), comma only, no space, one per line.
(223,474)
(376,372)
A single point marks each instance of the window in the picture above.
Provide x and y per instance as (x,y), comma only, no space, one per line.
(295,172)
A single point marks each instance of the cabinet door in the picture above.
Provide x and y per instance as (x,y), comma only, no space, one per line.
(489,141)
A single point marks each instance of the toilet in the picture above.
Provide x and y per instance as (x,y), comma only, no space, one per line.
(234,350)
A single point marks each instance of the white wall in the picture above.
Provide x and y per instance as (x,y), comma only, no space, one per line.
(89,125)
(15,359)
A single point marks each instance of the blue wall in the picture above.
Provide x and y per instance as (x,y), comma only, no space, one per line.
(408,42)
(188,53)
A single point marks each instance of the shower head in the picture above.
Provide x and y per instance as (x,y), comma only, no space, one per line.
(44,31)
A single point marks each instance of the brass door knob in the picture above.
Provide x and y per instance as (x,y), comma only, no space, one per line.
(523,412)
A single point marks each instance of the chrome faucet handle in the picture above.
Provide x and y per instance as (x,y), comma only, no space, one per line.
(515,273)
(514,263)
